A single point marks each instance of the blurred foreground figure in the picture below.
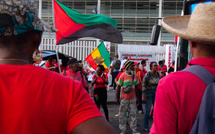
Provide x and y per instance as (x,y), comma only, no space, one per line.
(35,100)
(179,94)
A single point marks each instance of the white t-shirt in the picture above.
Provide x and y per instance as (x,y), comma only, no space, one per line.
(90,75)
(122,63)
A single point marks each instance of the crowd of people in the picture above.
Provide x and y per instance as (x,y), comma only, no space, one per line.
(123,73)
(36,100)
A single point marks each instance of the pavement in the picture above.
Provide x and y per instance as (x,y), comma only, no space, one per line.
(114,109)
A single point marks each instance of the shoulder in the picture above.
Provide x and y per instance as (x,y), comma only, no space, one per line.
(180,81)
(47,77)
(122,75)
(105,76)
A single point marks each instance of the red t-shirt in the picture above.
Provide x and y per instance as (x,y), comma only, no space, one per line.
(117,77)
(144,71)
(54,64)
(125,80)
(99,82)
(37,101)
(64,68)
(162,68)
(76,76)
(140,76)
(178,98)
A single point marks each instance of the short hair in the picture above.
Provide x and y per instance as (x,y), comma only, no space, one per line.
(117,56)
(101,67)
(21,39)
(151,64)
(160,62)
(143,62)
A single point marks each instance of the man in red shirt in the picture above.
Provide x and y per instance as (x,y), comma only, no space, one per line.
(35,100)
(143,64)
(74,73)
(179,94)
(140,76)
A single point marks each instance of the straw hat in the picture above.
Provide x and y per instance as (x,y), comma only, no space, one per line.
(198,27)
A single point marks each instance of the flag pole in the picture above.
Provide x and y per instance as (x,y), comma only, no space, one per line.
(98,6)
(56,50)
(53,15)
(53,19)
(40,9)
(98,12)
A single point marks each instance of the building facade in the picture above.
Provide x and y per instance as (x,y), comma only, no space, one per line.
(135,17)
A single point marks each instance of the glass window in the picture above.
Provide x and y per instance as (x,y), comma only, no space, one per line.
(154,9)
(117,9)
(129,28)
(90,6)
(105,8)
(80,7)
(142,9)
(130,9)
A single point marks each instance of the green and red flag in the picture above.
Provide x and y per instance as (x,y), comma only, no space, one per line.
(72,25)
(99,56)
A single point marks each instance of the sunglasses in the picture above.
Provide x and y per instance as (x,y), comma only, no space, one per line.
(155,65)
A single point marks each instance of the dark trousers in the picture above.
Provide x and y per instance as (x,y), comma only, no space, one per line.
(100,97)
(114,76)
(140,107)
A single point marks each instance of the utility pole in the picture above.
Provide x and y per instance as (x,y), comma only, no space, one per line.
(40,9)
(159,22)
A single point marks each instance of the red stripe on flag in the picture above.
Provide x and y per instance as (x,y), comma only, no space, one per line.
(64,24)
(90,59)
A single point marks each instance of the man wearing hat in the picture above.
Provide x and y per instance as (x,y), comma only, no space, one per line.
(74,73)
(140,76)
(128,100)
(179,94)
(33,99)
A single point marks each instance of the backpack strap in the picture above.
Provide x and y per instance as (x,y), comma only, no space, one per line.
(201,72)
(204,115)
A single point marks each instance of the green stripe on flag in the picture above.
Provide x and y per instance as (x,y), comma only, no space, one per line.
(104,53)
(88,20)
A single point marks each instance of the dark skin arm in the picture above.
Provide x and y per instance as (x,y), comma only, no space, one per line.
(117,94)
(94,80)
(102,76)
(97,125)
(104,79)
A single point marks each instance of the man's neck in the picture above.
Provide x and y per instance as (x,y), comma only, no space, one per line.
(129,72)
(74,71)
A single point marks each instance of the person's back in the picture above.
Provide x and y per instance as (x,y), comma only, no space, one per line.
(179,94)
(34,100)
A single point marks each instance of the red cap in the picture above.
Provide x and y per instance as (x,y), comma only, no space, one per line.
(136,63)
